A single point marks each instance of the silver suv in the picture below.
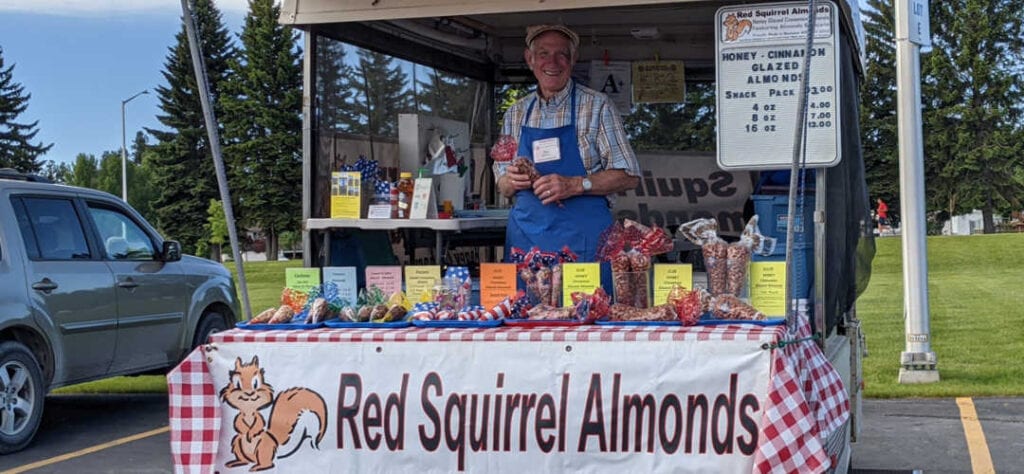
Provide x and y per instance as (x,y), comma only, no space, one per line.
(90,290)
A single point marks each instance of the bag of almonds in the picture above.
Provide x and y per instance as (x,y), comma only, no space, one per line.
(704,232)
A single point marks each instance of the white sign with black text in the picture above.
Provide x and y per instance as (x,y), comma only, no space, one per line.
(614,79)
(759,54)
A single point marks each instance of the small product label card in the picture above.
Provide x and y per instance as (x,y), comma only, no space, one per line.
(768,287)
(497,282)
(345,279)
(420,281)
(302,279)
(379,211)
(583,277)
(386,277)
(424,203)
(667,276)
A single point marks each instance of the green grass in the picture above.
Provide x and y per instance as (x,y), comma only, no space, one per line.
(976,312)
(133,384)
(264,281)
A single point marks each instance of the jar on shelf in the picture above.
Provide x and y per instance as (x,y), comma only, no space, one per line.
(404,198)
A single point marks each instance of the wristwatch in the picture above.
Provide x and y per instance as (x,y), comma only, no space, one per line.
(587,185)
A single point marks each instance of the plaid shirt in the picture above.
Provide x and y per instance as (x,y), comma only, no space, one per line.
(602,138)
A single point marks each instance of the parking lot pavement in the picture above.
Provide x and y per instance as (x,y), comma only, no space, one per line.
(94,434)
(80,433)
(929,435)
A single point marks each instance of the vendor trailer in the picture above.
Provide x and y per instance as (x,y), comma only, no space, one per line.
(483,40)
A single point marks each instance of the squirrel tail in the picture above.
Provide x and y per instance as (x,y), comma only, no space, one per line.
(289,408)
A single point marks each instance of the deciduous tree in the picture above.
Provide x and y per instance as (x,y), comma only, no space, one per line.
(686,126)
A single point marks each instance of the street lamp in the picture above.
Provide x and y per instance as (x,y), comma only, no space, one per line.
(124,148)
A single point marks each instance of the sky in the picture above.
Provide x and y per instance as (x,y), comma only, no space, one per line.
(80,58)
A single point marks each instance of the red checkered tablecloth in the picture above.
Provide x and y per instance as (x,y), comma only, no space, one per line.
(806,400)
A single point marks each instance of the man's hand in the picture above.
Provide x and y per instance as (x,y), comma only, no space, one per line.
(514,181)
(552,188)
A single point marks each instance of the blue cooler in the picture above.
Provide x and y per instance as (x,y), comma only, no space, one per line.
(772,213)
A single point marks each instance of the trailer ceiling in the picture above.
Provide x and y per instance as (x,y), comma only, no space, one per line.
(484,39)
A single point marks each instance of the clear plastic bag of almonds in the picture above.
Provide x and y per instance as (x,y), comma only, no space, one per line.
(739,255)
(704,233)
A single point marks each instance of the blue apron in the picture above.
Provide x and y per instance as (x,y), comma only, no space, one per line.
(580,220)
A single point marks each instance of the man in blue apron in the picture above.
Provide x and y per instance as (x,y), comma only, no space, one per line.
(574,137)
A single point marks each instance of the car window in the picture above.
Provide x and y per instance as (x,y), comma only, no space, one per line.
(55,229)
(25,225)
(122,238)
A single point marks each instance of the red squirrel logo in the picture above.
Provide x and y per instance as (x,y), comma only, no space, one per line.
(735,28)
(256,442)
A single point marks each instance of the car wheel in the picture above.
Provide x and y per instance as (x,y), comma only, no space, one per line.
(21,395)
(212,322)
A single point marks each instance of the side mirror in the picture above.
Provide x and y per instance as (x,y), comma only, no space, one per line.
(171,251)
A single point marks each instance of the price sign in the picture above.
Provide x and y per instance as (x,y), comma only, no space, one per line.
(760,52)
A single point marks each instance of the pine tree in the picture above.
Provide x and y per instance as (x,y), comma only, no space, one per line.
(878,105)
(263,125)
(973,94)
(382,95)
(971,112)
(334,84)
(182,166)
(139,146)
(447,95)
(16,151)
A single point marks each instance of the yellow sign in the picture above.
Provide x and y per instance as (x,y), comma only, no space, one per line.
(584,277)
(667,276)
(658,82)
(768,287)
(302,279)
(346,202)
(420,280)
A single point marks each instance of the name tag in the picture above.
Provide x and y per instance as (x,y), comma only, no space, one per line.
(546,150)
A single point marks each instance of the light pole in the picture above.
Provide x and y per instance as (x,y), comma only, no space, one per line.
(124,148)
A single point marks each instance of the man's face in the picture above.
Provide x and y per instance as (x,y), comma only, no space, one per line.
(550,58)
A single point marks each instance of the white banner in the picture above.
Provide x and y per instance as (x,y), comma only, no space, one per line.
(624,406)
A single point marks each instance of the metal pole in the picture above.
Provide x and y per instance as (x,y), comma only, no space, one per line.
(918,363)
(799,158)
(218,161)
(124,158)
(124,147)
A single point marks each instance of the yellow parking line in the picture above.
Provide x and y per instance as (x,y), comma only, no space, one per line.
(89,450)
(981,459)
